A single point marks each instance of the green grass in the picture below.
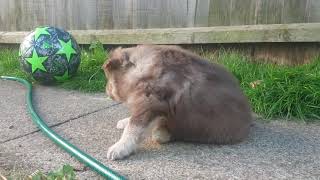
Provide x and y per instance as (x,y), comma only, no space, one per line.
(291,92)
(9,64)
(279,91)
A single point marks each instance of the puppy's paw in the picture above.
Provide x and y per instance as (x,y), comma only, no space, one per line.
(161,135)
(119,151)
(123,123)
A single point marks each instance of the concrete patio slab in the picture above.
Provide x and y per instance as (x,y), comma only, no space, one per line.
(275,150)
(54,105)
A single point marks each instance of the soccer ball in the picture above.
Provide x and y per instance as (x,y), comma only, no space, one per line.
(49,54)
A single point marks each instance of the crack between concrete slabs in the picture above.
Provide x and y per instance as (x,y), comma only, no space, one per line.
(60,123)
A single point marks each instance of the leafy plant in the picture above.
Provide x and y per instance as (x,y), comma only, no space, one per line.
(64,173)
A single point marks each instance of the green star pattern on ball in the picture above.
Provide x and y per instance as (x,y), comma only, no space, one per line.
(40,31)
(36,62)
(66,49)
(50,54)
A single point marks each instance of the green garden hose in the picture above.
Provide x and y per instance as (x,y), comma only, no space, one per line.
(71,149)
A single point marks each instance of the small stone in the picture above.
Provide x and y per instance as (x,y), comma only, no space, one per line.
(11,127)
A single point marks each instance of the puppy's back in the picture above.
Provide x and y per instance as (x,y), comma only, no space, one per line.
(209,104)
(205,102)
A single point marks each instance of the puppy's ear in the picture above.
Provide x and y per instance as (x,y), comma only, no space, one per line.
(118,58)
(111,64)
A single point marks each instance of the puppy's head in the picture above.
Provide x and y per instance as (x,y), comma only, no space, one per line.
(115,69)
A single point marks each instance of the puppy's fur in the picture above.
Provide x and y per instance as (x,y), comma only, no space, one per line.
(176,93)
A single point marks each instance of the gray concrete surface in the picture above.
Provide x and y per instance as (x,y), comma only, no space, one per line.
(276,150)
(56,106)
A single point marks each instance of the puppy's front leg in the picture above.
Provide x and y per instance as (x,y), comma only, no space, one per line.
(134,133)
(128,143)
(123,123)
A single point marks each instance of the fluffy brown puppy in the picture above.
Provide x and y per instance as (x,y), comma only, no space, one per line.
(177,94)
